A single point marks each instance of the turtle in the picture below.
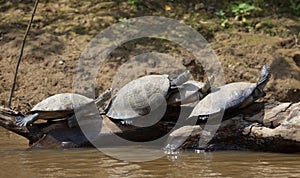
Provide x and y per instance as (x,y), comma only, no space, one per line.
(60,106)
(143,95)
(190,92)
(231,96)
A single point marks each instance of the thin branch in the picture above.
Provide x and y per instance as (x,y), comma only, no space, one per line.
(296,40)
(21,54)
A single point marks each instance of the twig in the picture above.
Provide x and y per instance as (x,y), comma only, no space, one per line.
(296,40)
(21,54)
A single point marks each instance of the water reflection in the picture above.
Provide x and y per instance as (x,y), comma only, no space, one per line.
(16,162)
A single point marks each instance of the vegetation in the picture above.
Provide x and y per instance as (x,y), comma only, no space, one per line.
(258,15)
(243,10)
(295,6)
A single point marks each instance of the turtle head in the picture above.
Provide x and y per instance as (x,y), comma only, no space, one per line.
(264,77)
(180,79)
(103,97)
(107,93)
(207,86)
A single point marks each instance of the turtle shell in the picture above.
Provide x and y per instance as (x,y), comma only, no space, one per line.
(138,97)
(225,97)
(60,105)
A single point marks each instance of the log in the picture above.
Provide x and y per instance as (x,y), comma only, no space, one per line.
(275,129)
(7,120)
(57,134)
(260,127)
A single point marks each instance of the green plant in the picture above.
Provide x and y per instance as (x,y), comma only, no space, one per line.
(135,4)
(123,20)
(220,13)
(131,2)
(243,10)
(224,19)
(295,6)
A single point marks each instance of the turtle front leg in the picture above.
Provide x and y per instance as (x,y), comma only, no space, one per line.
(24,121)
(72,121)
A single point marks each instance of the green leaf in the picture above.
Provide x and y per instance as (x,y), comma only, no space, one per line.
(224,23)
(244,19)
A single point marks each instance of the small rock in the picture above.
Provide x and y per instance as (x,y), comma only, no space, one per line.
(61,62)
(199,6)
(258,26)
(296,58)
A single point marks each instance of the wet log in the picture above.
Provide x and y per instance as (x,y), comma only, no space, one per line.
(260,127)
(271,128)
(57,134)
(7,120)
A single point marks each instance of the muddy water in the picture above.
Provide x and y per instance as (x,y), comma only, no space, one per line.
(16,162)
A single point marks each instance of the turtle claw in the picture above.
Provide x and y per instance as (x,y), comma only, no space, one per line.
(203,118)
(126,122)
(21,121)
(24,121)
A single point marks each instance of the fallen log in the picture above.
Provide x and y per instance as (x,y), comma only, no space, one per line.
(57,134)
(274,128)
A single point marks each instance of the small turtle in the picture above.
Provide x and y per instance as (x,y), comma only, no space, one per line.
(60,106)
(143,95)
(190,92)
(231,96)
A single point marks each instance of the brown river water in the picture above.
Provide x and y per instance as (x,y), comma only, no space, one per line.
(17,162)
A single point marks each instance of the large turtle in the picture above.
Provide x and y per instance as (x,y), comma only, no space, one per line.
(231,96)
(190,92)
(143,95)
(60,106)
